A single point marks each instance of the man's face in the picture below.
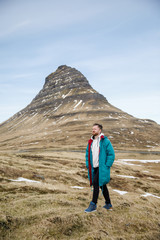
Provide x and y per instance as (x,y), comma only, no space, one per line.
(96,130)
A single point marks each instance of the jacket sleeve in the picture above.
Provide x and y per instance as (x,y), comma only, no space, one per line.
(87,157)
(110,153)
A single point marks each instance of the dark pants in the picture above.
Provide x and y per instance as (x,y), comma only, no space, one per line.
(96,188)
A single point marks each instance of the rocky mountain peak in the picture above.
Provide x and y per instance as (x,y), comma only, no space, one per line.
(63,112)
(66,76)
(63,86)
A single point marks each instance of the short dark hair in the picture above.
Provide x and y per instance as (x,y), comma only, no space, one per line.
(99,125)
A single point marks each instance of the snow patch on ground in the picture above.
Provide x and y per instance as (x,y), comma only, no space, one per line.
(77,187)
(143,121)
(91,91)
(57,107)
(64,96)
(126,163)
(83,105)
(21,179)
(77,104)
(120,192)
(126,176)
(32,143)
(138,160)
(149,195)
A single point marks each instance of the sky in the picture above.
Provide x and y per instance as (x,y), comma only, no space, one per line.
(115,44)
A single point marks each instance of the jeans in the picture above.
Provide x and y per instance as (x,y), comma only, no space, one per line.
(96,188)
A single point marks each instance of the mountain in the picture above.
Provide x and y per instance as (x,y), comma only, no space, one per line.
(62,114)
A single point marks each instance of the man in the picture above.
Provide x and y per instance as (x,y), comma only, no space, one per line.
(99,158)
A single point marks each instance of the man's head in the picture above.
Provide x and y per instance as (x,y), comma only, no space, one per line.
(97,129)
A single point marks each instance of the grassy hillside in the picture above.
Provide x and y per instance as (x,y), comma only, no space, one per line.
(52,209)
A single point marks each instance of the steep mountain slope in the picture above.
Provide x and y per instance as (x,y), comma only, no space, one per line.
(62,114)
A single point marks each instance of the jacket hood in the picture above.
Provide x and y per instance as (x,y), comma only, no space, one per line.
(100,137)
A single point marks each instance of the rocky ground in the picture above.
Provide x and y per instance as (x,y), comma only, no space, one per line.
(52,205)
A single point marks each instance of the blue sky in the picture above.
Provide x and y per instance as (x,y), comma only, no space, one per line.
(115,44)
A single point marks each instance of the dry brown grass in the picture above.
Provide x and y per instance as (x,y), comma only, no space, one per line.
(52,209)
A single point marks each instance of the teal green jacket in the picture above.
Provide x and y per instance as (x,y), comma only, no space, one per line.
(106,159)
